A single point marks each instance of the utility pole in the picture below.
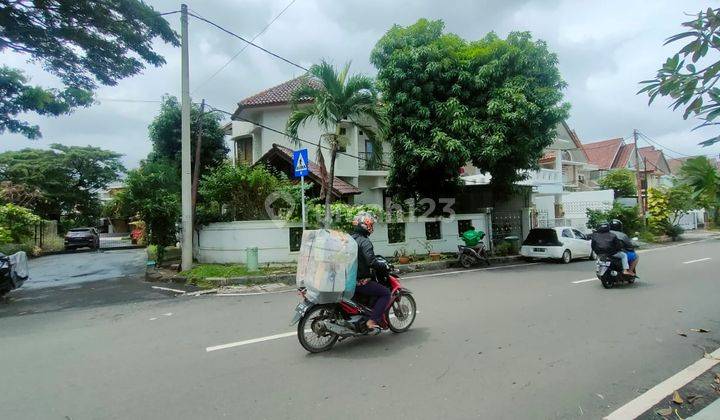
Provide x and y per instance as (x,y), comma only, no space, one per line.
(638,183)
(196,168)
(185,187)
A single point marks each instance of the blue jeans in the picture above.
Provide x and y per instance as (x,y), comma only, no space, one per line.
(373,288)
(631,255)
(623,256)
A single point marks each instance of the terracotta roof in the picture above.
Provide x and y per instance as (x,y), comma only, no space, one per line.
(277,95)
(653,158)
(623,157)
(548,157)
(675,165)
(340,187)
(603,153)
(576,140)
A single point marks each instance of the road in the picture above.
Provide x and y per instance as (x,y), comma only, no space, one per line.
(526,341)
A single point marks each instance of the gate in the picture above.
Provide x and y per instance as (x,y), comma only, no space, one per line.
(507,223)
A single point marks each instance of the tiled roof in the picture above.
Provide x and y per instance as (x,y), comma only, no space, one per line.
(277,95)
(340,187)
(676,164)
(623,157)
(603,153)
(652,156)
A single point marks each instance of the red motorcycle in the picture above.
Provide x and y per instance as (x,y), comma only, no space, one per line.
(321,326)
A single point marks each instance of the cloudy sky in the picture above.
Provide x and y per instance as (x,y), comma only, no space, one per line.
(604,48)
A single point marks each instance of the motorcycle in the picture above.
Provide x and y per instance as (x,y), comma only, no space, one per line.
(13,271)
(321,326)
(609,271)
(468,256)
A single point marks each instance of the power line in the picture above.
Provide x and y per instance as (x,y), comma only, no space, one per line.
(274,130)
(169,13)
(661,146)
(231,33)
(129,100)
(244,47)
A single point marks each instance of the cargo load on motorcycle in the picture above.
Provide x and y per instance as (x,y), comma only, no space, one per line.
(327,266)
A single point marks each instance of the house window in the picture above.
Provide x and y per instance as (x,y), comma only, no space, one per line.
(432,231)
(396,233)
(244,151)
(464,226)
(295,238)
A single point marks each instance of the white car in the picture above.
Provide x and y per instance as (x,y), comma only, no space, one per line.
(559,243)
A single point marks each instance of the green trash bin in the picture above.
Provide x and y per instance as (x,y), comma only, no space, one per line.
(252,259)
(514,241)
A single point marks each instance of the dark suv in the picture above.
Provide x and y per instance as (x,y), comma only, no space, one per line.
(82,237)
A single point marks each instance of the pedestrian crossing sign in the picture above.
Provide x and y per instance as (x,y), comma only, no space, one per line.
(300,162)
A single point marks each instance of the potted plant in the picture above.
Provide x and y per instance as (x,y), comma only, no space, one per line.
(402,256)
(434,256)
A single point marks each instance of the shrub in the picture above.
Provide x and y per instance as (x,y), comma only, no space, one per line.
(5,237)
(505,248)
(53,243)
(19,221)
(342,214)
(627,215)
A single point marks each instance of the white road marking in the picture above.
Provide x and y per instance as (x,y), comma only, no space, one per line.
(167,289)
(153,319)
(251,341)
(644,402)
(694,261)
(168,314)
(447,273)
(261,339)
(584,281)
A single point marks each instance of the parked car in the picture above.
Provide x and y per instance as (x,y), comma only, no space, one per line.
(81,238)
(559,243)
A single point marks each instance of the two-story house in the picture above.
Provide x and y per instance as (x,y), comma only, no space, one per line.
(257,132)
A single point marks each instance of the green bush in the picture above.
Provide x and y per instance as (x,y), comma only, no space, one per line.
(9,249)
(5,237)
(342,214)
(621,181)
(627,215)
(53,244)
(505,248)
(646,236)
(19,221)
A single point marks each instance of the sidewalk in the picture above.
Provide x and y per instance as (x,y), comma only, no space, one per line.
(711,412)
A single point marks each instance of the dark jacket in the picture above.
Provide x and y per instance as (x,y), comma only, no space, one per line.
(628,244)
(366,254)
(605,243)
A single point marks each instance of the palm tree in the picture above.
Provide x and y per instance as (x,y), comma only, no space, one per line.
(702,176)
(332,99)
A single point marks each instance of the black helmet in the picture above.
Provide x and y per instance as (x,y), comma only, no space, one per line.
(603,227)
(616,225)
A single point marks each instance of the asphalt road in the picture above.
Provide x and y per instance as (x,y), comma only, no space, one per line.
(514,342)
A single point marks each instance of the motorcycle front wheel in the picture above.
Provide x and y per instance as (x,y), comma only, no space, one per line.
(312,334)
(401,313)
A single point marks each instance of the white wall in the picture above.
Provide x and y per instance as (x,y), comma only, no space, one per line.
(228,242)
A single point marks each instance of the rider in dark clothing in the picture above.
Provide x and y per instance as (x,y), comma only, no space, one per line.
(364,225)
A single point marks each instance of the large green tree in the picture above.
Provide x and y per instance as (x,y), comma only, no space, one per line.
(621,181)
(493,102)
(165,133)
(690,76)
(67,177)
(83,43)
(337,99)
(703,177)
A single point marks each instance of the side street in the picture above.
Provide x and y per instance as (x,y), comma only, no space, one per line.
(305,209)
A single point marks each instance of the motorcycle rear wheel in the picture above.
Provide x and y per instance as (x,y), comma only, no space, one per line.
(311,334)
(401,314)
(466,261)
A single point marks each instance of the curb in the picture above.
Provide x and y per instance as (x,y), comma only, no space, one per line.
(449,263)
(88,250)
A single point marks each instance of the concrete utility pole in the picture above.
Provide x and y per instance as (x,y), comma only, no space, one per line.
(185,182)
(638,183)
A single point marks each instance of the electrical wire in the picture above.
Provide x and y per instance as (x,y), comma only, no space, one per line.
(298,139)
(257,35)
(169,13)
(231,33)
(661,146)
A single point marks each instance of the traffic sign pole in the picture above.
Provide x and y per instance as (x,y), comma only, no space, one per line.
(302,199)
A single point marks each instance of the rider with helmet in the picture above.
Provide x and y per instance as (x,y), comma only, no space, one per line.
(616,227)
(605,242)
(364,224)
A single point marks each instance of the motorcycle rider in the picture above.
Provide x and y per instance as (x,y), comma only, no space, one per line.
(364,224)
(605,242)
(616,227)
(473,239)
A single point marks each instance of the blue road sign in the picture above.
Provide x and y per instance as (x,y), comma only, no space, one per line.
(300,162)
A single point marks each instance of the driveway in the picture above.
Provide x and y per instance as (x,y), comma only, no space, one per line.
(79,280)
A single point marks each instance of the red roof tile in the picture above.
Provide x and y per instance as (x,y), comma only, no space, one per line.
(340,187)
(603,153)
(653,158)
(277,95)
(623,157)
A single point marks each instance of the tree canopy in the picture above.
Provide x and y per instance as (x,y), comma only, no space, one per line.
(494,103)
(165,135)
(83,43)
(622,181)
(703,178)
(67,177)
(688,77)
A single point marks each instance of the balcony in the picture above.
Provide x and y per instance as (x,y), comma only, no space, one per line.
(364,163)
